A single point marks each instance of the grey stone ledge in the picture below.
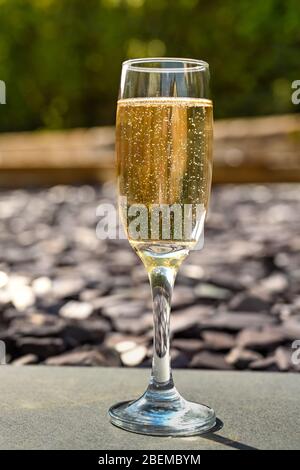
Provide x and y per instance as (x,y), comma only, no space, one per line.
(66,408)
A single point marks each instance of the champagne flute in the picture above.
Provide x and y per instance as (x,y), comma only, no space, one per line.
(164,147)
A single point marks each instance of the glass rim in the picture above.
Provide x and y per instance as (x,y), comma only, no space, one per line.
(195,65)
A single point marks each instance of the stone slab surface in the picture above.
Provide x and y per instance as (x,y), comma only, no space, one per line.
(66,408)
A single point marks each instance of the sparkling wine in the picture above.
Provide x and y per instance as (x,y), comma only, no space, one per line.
(164,151)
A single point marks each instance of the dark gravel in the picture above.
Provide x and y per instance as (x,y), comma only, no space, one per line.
(67,298)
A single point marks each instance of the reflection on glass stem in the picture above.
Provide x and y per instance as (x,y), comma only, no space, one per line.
(162,282)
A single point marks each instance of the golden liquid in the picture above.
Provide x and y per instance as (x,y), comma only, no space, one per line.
(164,156)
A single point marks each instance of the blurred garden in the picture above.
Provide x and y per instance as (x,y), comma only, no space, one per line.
(61,59)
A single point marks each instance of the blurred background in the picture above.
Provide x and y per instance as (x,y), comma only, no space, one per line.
(61,59)
(67,297)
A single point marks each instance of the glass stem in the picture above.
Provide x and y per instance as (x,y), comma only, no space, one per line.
(162,281)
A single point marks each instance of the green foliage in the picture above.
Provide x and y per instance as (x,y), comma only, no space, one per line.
(61,59)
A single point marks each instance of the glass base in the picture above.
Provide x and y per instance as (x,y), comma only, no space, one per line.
(163,413)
